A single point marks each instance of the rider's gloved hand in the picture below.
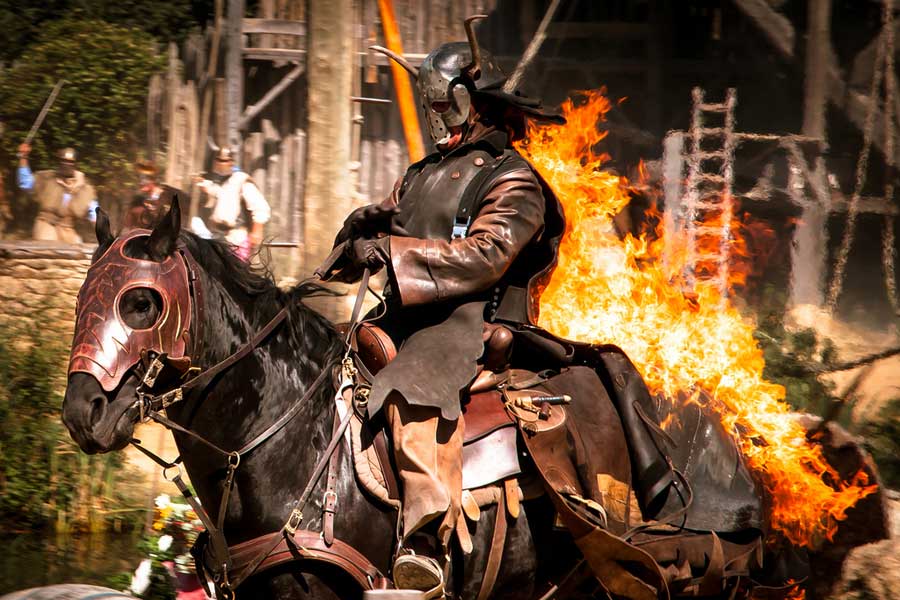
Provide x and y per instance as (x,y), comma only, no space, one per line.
(368,221)
(369,253)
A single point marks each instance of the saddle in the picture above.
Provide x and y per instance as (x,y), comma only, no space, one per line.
(698,549)
(489,442)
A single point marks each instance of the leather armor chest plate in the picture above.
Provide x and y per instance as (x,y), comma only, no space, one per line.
(430,196)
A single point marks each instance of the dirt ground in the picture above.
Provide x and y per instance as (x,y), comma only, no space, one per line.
(855,341)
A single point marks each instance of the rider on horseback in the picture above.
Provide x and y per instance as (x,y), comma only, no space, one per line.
(469,237)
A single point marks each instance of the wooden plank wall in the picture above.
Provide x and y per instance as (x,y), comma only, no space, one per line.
(274,148)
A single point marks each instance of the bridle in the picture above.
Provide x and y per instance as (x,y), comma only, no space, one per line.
(150,402)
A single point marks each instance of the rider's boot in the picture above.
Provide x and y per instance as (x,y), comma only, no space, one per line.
(428,453)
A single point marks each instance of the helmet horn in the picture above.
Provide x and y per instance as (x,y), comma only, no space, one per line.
(474,69)
(398,59)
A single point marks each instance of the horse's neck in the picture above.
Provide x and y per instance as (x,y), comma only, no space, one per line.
(252,395)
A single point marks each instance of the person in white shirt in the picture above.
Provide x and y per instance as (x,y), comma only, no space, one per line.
(239,210)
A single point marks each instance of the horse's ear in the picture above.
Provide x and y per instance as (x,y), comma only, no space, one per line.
(101,228)
(164,236)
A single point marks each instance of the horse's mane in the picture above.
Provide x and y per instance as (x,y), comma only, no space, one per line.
(311,331)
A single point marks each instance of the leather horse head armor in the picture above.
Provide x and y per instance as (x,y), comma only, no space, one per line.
(104,345)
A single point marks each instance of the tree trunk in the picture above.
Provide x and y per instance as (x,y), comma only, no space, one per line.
(330,71)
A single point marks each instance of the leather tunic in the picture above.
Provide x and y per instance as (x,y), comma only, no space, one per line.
(441,290)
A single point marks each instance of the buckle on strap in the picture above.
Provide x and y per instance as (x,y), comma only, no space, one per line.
(460,228)
(153,371)
(294,521)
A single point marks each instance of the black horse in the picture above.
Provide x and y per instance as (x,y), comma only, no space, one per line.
(244,400)
(247,398)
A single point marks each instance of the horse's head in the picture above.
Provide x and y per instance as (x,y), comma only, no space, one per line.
(136,298)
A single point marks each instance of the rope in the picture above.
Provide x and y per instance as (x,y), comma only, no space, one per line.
(888,249)
(837,281)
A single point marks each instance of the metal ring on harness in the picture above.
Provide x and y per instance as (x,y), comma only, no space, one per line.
(166,470)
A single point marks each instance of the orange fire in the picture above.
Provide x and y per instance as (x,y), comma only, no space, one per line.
(621,291)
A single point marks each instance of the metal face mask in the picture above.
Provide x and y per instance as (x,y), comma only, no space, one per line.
(442,89)
(447,77)
(104,345)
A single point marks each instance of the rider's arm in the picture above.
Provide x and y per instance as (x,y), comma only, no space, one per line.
(24,176)
(260,212)
(512,214)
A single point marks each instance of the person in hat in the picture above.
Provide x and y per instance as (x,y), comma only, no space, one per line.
(151,201)
(63,195)
(239,209)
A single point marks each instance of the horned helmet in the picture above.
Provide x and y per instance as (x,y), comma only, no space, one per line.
(451,74)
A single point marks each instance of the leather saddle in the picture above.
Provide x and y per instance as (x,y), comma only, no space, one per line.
(489,442)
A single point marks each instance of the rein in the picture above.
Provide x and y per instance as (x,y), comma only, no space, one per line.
(150,405)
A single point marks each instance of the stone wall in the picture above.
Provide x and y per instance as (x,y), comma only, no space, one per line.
(40,280)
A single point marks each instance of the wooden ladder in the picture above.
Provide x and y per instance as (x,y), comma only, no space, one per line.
(708,194)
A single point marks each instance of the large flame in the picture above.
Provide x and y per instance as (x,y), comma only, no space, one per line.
(621,291)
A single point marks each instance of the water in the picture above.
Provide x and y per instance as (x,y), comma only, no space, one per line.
(37,558)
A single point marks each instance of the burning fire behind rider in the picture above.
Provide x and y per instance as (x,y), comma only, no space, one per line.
(468,238)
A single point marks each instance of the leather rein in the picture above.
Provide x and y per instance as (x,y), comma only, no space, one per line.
(150,404)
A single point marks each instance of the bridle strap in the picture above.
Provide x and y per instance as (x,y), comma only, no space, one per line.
(203,379)
(286,417)
(200,382)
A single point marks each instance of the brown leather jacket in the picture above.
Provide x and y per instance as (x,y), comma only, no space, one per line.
(441,290)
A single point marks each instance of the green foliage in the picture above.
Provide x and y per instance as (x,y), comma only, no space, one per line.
(44,478)
(789,356)
(99,111)
(882,440)
(168,20)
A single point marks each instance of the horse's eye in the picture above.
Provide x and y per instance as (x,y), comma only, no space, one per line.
(136,308)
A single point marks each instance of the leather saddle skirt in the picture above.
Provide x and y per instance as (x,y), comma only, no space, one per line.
(489,442)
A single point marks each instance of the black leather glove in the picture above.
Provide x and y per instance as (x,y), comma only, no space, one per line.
(370,253)
(367,221)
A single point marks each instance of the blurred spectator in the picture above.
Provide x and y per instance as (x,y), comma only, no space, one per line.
(152,200)
(239,210)
(63,196)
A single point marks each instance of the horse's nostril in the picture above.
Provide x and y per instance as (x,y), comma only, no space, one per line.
(98,407)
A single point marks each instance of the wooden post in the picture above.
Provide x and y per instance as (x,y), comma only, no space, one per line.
(329,73)
(221,104)
(234,70)
(402,85)
(200,149)
(810,245)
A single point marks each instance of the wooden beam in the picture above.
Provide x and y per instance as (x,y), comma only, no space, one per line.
(234,70)
(775,26)
(534,46)
(274,26)
(571,30)
(208,93)
(872,205)
(780,33)
(328,193)
(274,92)
(809,249)
(284,54)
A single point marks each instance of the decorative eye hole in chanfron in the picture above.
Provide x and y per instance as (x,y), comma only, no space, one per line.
(140,308)
(440,106)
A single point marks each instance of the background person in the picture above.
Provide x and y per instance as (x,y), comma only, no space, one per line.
(151,201)
(63,195)
(239,210)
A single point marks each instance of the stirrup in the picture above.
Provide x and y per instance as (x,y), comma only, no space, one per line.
(417,572)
